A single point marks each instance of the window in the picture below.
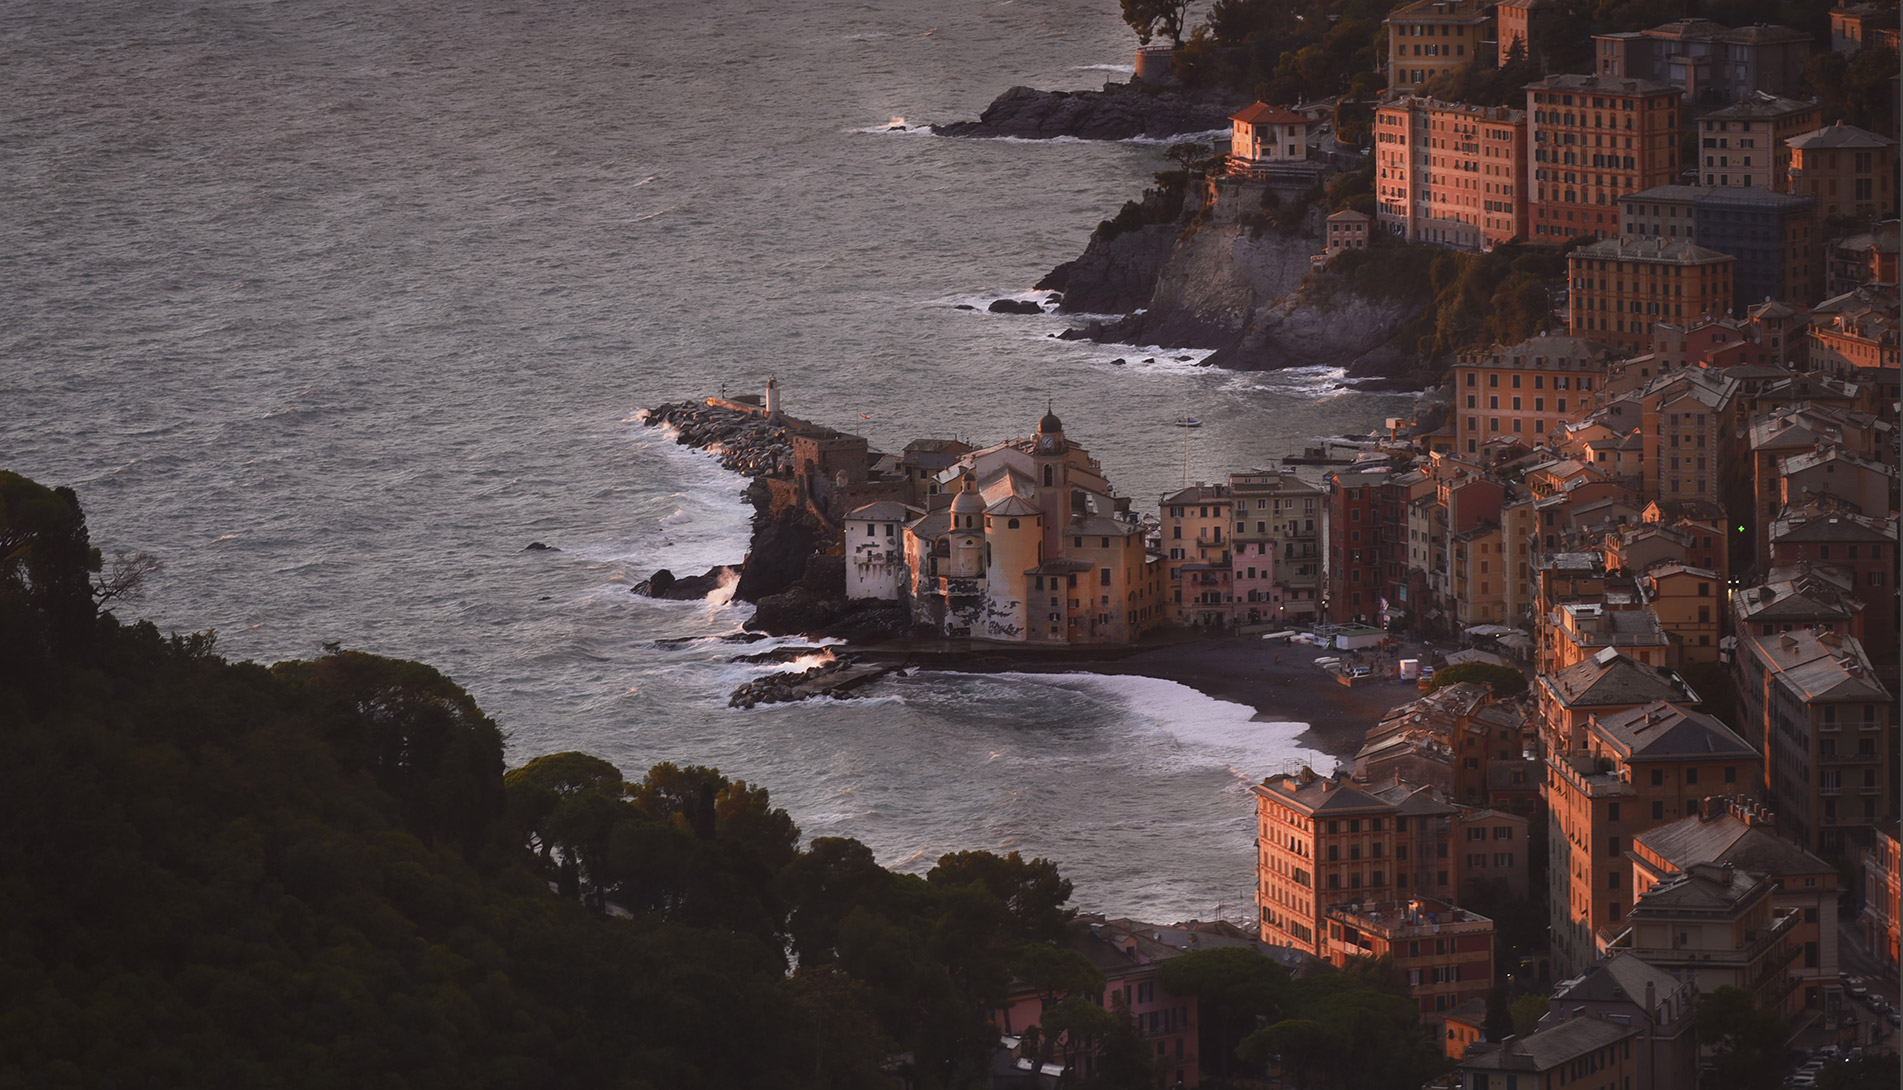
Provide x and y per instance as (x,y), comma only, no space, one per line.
(1612,846)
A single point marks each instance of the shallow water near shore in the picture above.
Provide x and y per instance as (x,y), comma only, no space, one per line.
(335,307)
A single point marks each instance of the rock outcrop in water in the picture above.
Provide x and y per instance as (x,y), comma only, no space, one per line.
(1221,275)
(1120,111)
(840,679)
(746,443)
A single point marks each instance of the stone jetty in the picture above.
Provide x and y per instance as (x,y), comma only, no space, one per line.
(746,443)
(840,679)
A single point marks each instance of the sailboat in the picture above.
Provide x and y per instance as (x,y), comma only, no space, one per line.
(1188,422)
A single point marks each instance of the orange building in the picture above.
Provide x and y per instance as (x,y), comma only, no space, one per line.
(1881,919)
(1622,287)
(1594,140)
(1638,769)
(1432,37)
(1527,391)
(1445,952)
(1323,841)
(1520,22)
(1450,173)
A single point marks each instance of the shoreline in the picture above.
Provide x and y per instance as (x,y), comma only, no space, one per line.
(1279,681)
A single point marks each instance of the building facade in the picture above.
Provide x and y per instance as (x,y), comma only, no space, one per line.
(1621,288)
(1450,173)
(1594,140)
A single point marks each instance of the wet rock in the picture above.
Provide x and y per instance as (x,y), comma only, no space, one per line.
(1014,306)
(665,584)
(964,306)
(538,547)
(1118,112)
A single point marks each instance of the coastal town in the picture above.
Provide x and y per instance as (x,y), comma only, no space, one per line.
(1632,579)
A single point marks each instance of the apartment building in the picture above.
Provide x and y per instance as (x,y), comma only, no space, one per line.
(1813,701)
(1445,952)
(1707,61)
(1324,841)
(1594,140)
(1743,144)
(1430,38)
(1358,543)
(1198,554)
(1732,832)
(1278,561)
(1524,392)
(1850,171)
(1450,173)
(1720,927)
(1637,769)
(1623,287)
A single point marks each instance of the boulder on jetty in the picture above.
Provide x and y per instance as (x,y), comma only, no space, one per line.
(745,442)
(839,679)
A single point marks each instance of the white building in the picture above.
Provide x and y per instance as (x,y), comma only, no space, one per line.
(875,549)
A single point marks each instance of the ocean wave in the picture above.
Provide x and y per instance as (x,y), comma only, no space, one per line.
(895,126)
(1166,141)
(1126,69)
(1152,359)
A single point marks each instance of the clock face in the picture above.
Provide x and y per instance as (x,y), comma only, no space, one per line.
(1047,442)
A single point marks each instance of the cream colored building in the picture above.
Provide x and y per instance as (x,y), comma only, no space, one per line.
(1032,544)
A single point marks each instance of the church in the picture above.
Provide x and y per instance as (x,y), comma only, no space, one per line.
(1026,541)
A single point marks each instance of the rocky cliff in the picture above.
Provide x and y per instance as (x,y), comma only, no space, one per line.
(1223,275)
(1120,111)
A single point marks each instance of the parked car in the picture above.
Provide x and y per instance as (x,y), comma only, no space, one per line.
(1855,986)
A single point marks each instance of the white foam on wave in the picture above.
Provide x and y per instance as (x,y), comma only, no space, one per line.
(979,300)
(895,126)
(1126,69)
(1151,359)
(1190,137)
(1204,729)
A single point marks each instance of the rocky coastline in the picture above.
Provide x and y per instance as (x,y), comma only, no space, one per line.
(1219,274)
(1121,111)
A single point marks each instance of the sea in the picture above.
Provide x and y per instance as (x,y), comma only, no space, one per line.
(335,307)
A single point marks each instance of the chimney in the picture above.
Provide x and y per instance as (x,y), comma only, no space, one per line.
(1651,1000)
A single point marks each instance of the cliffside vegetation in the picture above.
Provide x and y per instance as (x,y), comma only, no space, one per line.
(1502,296)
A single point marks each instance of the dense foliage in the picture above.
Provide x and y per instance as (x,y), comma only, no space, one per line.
(1332,1031)
(1748,1040)
(316,874)
(1464,300)
(1504,680)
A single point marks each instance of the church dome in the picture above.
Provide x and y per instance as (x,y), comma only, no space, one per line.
(1050,425)
(968,503)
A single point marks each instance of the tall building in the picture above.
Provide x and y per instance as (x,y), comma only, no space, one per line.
(1278,559)
(1595,139)
(1323,841)
(1363,508)
(1622,287)
(1849,171)
(1525,391)
(1706,61)
(1743,143)
(1826,723)
(1450,173)
(1429,38)
(1774,237)
(1198,551)
(1638,769)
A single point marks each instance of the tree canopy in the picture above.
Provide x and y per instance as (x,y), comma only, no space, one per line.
(318,874)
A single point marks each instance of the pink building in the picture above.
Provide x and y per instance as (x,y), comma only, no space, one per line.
(1127,952)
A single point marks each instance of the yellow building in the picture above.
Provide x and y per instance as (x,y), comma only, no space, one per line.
(1031,544)
(1622,287)
(1429,38)
(1525,392)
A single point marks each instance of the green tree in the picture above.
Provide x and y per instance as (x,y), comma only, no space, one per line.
(1236,988)
(1749,1040)
(1152,17)
(1526,1013)
(1504,680)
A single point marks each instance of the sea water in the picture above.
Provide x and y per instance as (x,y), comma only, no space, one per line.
(336,306)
